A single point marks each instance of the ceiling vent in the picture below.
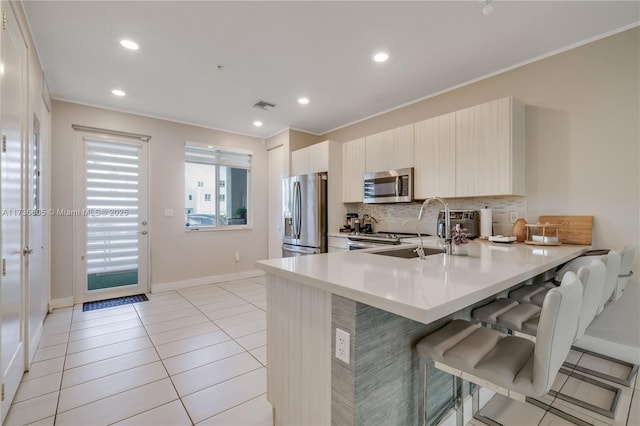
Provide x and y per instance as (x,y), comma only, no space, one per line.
(264,105)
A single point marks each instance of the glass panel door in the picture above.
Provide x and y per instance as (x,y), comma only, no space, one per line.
(116,226)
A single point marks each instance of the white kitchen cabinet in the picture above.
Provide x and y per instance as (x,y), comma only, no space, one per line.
(312,159)
(489,149)
(435,160)
(392,149)
(324,157)
(353,158)
(337,243)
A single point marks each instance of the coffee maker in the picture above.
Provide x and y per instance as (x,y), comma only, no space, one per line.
(367,223)
(350,222)
(467,219)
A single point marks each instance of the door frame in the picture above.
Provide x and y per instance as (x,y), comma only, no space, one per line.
(80,292)
(19,359)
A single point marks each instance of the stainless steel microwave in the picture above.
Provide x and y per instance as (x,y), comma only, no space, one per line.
(392,186)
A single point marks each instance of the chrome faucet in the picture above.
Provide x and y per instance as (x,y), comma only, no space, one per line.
(447,219)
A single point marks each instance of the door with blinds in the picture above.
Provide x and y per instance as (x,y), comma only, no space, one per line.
(113,219)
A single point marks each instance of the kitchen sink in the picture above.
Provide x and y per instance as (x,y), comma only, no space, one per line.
(408,252)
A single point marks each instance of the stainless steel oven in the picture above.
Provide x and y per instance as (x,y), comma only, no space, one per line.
(392,186)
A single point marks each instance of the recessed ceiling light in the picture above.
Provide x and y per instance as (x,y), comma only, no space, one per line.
(303,101)
(129,44)
(118,92)
(257,123)
(380,57)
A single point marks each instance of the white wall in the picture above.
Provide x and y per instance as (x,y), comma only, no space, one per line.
(176,255)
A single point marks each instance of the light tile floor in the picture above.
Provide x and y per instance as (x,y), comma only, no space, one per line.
(192,356)
(198,356)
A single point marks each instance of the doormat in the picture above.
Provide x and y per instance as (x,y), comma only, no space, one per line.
(109,303)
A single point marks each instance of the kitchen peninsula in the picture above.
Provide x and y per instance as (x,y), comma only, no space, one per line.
(385,304)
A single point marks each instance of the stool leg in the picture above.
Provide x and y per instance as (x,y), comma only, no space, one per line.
(475,399)
(457,396)
(423,411)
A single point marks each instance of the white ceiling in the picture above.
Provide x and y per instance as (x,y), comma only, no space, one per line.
(279,51)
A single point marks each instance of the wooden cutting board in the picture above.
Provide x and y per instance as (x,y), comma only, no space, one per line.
(572,229)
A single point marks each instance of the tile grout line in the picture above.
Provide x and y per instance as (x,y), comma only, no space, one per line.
(48,393)
(232,339)
(220,329)
(237,405)
(74,319)
(165,369)
(64,369)
(66,348)
(553,399)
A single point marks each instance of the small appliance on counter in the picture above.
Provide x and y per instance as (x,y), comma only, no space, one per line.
(467,219)
(367,223)
(349,224)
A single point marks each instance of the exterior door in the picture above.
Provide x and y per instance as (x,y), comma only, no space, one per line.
(13,96)
(112,217)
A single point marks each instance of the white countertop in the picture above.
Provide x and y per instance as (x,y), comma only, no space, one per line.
(422,290)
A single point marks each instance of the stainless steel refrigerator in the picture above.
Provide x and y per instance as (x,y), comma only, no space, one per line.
(305,215)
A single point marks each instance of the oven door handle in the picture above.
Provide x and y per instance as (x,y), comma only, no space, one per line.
(398,186)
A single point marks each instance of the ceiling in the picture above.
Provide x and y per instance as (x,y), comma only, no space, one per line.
(206,63)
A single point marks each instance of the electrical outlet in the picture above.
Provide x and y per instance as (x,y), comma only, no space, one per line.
(343,345)
(514,216)
(237,255)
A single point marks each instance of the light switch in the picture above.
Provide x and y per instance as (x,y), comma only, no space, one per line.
(168,212)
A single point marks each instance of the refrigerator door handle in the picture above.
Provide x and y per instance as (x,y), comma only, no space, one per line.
(297,209)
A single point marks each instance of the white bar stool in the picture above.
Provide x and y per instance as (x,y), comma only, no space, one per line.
(513,366)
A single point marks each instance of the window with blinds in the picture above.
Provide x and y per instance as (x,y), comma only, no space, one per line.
(217,186)
(112,202)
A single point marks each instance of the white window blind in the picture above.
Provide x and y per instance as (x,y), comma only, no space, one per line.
(112,205)
(216,156)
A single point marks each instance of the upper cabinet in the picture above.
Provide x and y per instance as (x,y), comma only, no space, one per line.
(392,149)
(353,170)
(435,173)
(478,151)
(312,159)
(324,157)
(489,149)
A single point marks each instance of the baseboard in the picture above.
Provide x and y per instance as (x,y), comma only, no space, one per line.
(213,279)
(34,343)
(65,302)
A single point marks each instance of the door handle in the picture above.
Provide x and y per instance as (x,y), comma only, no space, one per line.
(26,250)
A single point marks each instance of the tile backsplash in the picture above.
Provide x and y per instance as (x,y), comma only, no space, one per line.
(392,217)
